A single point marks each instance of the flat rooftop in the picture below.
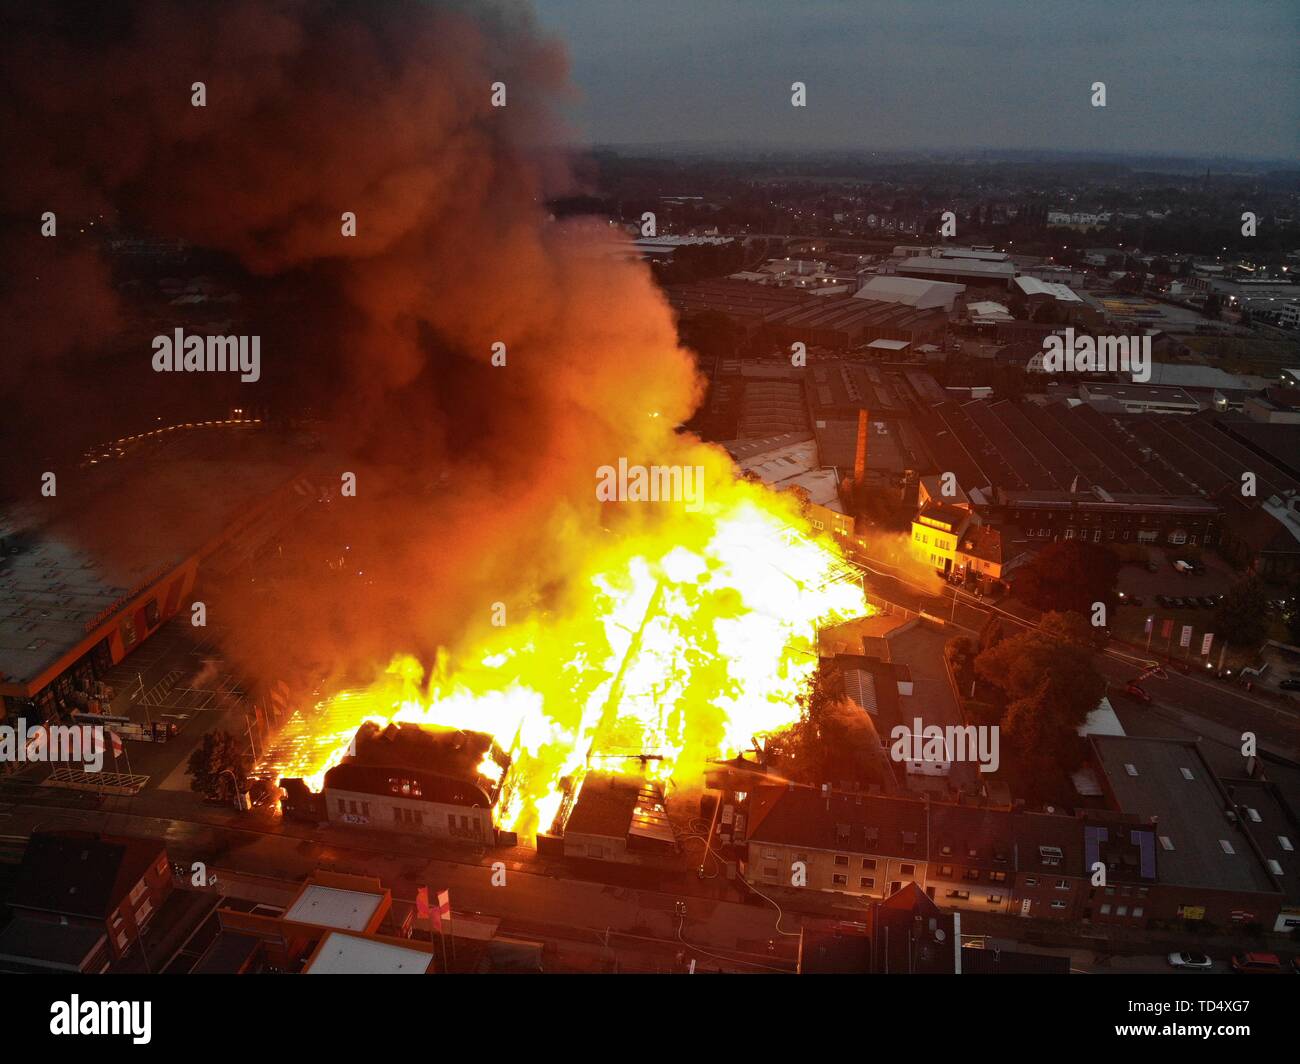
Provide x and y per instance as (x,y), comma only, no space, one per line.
(64,568)
(1168,780)
(344,910)
(344,954)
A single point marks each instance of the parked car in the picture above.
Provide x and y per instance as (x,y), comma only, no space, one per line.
(1135,692)
(1257,964)
(1290,685)
(1163,600)
(1208,601)
(1190,960)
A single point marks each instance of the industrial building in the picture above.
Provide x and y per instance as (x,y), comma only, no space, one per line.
(83,589)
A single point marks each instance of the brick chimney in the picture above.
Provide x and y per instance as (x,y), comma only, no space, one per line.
(860,456)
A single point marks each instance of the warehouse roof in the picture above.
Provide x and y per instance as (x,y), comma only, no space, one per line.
(912,291)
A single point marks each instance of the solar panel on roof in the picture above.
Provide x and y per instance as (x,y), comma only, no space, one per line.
(1146,845)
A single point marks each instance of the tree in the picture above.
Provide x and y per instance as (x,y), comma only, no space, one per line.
(218,766)
(1071,628)
(1069,575)
(1242,615)
(833,741)
(1040,664)
(1048,686)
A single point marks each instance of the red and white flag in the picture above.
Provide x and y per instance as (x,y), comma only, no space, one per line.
(116,740)
(443,911)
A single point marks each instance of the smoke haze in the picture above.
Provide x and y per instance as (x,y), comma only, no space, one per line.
(475,482)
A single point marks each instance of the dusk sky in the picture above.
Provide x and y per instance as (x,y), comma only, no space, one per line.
(1187,77)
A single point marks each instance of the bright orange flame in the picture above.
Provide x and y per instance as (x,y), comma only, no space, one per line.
(691,640)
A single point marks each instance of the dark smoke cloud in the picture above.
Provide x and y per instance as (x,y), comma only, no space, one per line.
(475,482)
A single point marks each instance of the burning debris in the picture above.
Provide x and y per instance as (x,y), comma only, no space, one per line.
(691,643)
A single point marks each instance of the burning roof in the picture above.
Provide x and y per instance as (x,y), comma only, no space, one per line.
(446,764)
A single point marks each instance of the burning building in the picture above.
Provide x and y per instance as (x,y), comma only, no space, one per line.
(414,778)
(621,818)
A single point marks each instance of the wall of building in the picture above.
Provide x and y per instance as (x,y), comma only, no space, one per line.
(413,816)
(831,871)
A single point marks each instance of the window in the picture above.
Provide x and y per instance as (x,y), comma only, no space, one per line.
(841,861)
(958,895)
(1050,855)
(995,899)
(1062,884)
(907,870)
(868,864)
(770,855)
(839,880)
(343,806)
(945,871)
(997,877)
(1058,904)
(973,874)
(1122,911)
(769,871)
(1031,881)
(1166,842)
(1226,847)
(1137,911)
(1285,843)
(867,883)
(1105,909)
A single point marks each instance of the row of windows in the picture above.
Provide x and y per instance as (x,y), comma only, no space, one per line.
(1121,910)
(348,806)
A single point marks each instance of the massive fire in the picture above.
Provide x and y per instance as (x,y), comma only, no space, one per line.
(689,641)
